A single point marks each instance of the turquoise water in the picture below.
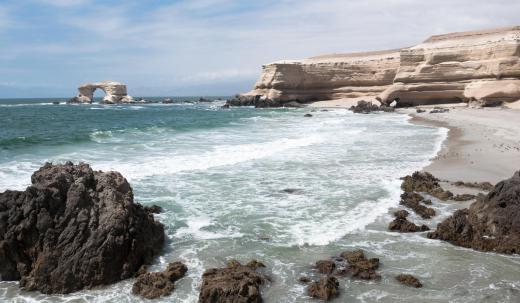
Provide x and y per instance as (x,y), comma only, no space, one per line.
(220,175)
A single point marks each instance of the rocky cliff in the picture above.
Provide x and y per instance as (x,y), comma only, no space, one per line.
(479,66)
(328,77)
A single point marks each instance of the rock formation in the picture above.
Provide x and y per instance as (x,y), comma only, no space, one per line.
(74,228)
(326,288)
(492,223)
(402,224)
(478,66)
(409,280)
(324,77)
(153,285)
(115,92)
(234,283)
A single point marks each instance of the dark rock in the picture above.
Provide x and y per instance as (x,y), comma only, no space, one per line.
(439,110)
(159,284)
(492,223)
(413,201)
(359,266)
(364,107)
(425,182)
(464,197)
(226,106)
(325,267)
(420,111)
(292,190)
(307,115)
(402,224)
(56,102)
(74,228)
(486,186)
(408,280)
(325,289)
(154,209)
(304,279)
(235,283)
(387,109)
(204,100)
(167,101)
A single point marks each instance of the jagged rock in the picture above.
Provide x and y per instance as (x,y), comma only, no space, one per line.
(115,92)
(439,111)
(325,289)
(154,209)
(235,283)
(325,267)
(413,201)
(304,280)
(486,186)
(492,223)
(359,266)
(425,182)
(74,228)
(464,197)
(158,284)
(364,107)
(307,115)
(420,111)
(402,224)
(408,280)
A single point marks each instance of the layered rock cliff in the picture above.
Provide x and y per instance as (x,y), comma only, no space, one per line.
(481,66)
(328,77)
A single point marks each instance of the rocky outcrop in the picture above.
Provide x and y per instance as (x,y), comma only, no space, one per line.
(115,92)
(401,223)
(234,283)
(481,67)
(360,266)
(415,202)
(409,280)
(323,77)
(427,183)
(492,223)
(153,285)
(74,228)
(325,289)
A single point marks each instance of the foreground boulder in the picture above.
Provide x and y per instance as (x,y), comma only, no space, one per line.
(360,266)
(153,285)
(74,228)
(401,223)
(234,283)
(409,280)
(325,289)
(492,223)
(427,183)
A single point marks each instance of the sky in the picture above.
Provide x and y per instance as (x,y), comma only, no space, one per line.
(207,47)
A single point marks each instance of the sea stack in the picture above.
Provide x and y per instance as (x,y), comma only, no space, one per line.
(74,228)
(115,92)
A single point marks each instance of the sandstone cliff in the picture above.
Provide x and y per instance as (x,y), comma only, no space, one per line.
(481,66)
(328,77)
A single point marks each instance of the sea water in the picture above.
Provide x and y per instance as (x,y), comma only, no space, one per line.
(270,184)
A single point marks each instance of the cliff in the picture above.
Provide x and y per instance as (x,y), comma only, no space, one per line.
(480,66)
(328,77)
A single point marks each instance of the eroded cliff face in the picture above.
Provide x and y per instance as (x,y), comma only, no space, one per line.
(328,77)
(479,66)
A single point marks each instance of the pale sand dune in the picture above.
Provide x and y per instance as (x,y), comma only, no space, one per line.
(482,145)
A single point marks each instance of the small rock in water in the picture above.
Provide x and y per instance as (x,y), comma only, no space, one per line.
(292,190)
(412,200)
(360,266)
(420,111)
(439,110)
(325,289)
(402,224)
(307,115)
(159,284)
(325,267)
(408,280)
(464,197)
(304,279)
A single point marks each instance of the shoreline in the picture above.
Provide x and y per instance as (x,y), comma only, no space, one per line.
(480,145)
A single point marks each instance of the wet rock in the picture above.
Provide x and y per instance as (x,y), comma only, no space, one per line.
(402,224)
(439,110)
(359,266)
(154,209)
(425,182)
(413,201)
(292,190)
(167,101)
(325,289)
(408,280)
(486,186)
(74,228)
(364,107)
(420,111)
(159,284)
(235,283)
(325,267)
(464,197)
(492,223)
(304,279)
(307,115)
(293,104)
(56,102)
(226,106)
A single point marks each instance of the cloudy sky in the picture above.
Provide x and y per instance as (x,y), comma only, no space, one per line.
(204,47)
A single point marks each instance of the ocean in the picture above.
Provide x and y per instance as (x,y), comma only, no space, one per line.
(268,184)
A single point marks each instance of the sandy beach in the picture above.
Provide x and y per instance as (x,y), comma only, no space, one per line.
(482,144)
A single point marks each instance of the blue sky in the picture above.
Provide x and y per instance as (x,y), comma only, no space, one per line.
(159,47)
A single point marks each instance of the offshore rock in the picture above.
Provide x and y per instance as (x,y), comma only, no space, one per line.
(402,224)
(326,288)
(492,223)
(425,182)
(359,266)
(413,200)
(325,267)
(158,284)
(234,283)
(409,280)
(115,92)
(74,228)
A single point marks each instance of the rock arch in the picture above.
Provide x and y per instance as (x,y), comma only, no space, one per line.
(115,92)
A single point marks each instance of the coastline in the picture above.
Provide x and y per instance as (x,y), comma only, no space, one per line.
(480,145)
